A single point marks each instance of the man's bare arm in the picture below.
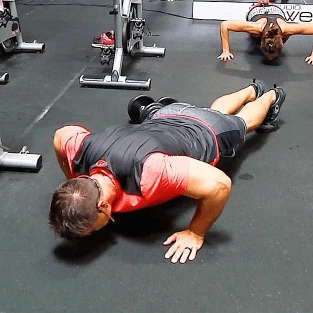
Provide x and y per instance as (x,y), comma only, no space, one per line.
(62,159)
(211,187)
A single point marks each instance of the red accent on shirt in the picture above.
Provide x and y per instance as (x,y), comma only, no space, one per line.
(102,163)
(164,177)
(72,141)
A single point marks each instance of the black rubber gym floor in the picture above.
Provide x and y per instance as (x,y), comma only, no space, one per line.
(258,256)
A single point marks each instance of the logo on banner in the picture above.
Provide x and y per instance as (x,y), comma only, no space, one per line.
(296,13)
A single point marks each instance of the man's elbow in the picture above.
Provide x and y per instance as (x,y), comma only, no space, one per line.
(223,186)
(227,182)
(58,133)
(56,141)
(58,136)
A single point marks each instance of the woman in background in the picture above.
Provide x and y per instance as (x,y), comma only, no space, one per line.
(265,22)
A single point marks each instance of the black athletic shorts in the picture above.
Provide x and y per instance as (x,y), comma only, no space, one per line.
(230,130)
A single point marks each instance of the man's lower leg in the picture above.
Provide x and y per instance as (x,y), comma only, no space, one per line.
(232,103)
(254,113)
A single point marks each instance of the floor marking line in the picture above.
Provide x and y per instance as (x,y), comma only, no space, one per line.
(50,105)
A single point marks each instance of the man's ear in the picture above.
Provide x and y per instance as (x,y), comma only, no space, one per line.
(102,205)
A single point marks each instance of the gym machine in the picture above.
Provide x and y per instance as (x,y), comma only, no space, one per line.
(22,160)
(11,37)
(129,33)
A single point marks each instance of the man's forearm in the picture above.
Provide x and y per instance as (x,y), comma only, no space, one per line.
(64,165)
(208,210)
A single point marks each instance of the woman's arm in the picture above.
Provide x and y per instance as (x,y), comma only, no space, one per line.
(289,29)
(299,29)
(235,26)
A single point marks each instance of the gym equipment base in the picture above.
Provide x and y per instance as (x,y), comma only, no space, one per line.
(4,77)
(20,161)
(114,80)
(109,81)
(30,47)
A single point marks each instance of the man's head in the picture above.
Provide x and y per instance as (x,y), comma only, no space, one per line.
(77,209)
(272,42)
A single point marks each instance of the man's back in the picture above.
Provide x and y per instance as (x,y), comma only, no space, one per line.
(124,149)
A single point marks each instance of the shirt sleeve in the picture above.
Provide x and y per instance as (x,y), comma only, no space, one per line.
(164,177)
(71,141)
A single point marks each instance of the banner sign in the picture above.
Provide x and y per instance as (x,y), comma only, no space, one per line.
(294,13)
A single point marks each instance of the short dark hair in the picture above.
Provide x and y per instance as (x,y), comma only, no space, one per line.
(272,42)
(73,208)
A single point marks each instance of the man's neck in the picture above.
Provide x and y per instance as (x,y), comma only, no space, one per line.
(108,190)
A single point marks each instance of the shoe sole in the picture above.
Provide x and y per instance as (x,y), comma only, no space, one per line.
(99,45)
(266,128)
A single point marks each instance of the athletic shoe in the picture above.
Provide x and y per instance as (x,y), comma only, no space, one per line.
(105,40)
(258,87)
(272,119)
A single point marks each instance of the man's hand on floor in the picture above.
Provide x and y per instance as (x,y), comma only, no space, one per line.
(185,247)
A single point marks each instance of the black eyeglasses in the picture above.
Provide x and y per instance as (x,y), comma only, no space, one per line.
(99,195)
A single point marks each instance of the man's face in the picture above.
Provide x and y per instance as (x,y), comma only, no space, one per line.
(101,222)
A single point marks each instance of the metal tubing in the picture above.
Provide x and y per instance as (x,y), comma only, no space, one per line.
(31,46)
(125,8)
(149,51)
(122,82)
(21,160)
(118,60)
(118,21)
(4,77)
(139,15)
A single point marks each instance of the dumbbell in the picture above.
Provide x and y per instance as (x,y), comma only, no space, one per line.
(167,100)
(142,107)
